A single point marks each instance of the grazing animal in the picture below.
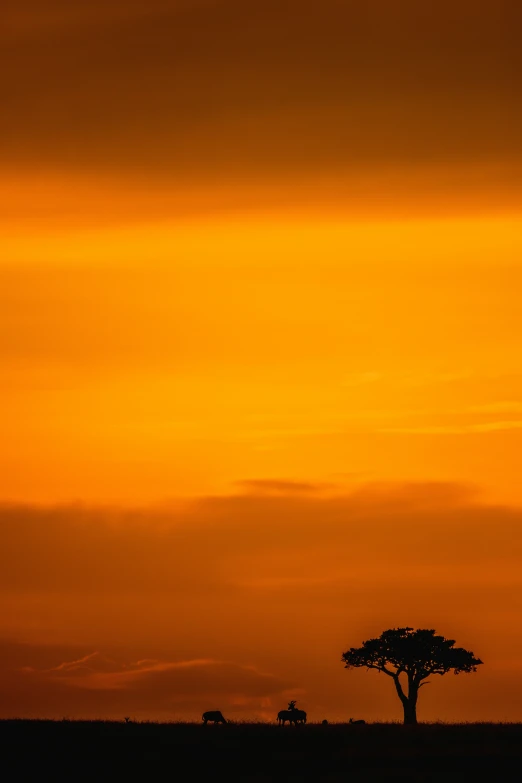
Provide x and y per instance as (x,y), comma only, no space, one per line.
(291,715)
(357,722)
(214,716)
(298,716)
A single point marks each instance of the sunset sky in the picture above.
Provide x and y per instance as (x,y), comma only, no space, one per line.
(261,338)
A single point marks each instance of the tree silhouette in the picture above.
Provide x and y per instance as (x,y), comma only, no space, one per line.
(415,654)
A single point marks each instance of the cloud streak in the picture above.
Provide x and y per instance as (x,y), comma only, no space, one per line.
(97,684)
(465,429)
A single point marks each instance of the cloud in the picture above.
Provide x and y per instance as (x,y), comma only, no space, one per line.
(212,87)
(87,665)
(501,406)
(180,678)
(447,429)
(207,545)
(58,18)
(229,602)
(281,487)
(97,684)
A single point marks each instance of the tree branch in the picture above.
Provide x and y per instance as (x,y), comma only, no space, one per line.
(398,688)
(379,668)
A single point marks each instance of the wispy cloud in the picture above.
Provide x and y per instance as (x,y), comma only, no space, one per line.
(448,429)
(501,406)
(282,486)
(98,683)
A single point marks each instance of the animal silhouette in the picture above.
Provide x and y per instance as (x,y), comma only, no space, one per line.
(292,715)
(283,716)
(298,716)
(357,722)
(214,716)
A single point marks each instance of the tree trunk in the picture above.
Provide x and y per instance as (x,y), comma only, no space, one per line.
(409,702)
(410,711)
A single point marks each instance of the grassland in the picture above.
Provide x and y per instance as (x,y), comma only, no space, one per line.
(109,750)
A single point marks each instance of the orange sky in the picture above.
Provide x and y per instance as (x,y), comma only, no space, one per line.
(260,329)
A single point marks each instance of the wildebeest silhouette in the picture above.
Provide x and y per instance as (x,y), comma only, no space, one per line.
(214,716)
(283,716)
(298,716)
(357,722)
(292,715)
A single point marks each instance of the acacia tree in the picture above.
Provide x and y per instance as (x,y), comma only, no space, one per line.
(416,655)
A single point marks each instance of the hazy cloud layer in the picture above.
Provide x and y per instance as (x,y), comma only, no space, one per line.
(95,684)
(235,89)
(215,542)
(233,601)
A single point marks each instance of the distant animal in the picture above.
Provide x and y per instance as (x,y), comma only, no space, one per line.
(324,722)
(214,716)
(292,715)
(357,722)
(298,716)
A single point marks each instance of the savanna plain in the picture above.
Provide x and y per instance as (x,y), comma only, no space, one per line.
(118,750)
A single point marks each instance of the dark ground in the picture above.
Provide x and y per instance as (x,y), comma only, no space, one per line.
(109,750)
